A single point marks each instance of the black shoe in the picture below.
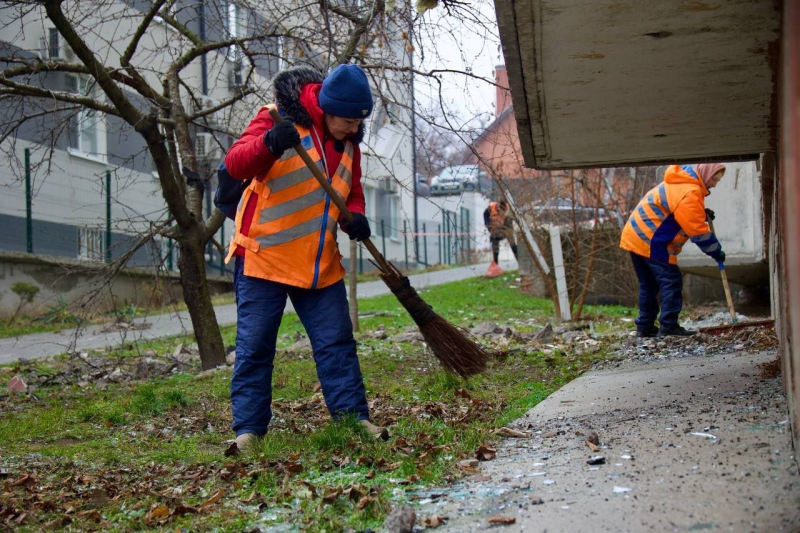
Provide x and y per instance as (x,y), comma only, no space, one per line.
(677,331)
(647,333)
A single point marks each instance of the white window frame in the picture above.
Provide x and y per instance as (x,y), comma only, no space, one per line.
(89,134)
(91,244)
(237,28)
(281,49)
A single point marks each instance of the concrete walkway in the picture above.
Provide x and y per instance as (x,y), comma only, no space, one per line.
(171,324)
(693,444)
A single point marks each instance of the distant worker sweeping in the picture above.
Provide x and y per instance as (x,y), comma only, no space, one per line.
(669,215)
(285,242)
(500,227)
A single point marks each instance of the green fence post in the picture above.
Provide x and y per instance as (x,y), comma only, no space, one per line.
(28,203)
(108,216)
(439,241)
(222,244)
(383,237)
(447,238)
(425,243)
(405,241)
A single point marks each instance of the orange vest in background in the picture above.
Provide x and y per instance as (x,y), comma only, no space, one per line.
(292,237)
(497,217)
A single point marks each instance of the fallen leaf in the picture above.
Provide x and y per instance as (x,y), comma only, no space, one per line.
(363,502)
(249,498)
(353,493)
(27,481)
(502,520)
(594,438)
(485,453)
(508,432)
(58,523)
(156,514)
(183,509)
(332,496)
(370,474)
(592,446)
(232,450)
(214,499)
(317,387)
(93,515)
(433,521)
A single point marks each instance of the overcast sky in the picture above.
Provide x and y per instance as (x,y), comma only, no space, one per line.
(468,45)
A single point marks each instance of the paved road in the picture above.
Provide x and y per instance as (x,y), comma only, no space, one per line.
(693,444)
(171,324)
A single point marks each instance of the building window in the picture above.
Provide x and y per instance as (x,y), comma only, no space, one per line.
(84,125)
(54,50)
(91,245)
(237,29)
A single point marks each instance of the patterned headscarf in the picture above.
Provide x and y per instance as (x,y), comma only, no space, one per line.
(705,171)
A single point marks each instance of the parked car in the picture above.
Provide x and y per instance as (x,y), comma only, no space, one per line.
(423,189)
(469,175)
(446,184)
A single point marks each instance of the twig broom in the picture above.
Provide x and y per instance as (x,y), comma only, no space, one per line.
(457,352)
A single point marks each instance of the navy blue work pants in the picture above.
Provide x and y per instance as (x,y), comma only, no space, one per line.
(655,277)
(325,315)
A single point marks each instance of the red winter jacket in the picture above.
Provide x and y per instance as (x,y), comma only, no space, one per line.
(249,156)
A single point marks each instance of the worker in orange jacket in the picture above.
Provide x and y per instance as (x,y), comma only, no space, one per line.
(285,242)
(670,214)
(500,227)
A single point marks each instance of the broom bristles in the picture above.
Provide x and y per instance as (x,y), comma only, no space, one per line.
(451,345)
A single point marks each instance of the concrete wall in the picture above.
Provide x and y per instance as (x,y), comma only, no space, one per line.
(739,223)
(82,284)
(788,288)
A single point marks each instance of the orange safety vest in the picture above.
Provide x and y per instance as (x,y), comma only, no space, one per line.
(292,237)
(670,214)
(497,217)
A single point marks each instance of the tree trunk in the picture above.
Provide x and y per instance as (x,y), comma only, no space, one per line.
(195,293)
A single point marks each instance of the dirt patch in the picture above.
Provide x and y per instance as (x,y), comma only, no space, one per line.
(772,369)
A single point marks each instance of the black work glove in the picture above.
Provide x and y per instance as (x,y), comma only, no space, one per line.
(709,214)
(281,137)
(358,228)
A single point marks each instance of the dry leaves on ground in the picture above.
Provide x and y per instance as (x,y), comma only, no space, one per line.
(485,453)
(502,520)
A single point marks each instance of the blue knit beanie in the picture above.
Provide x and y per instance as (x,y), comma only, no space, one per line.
(345,93)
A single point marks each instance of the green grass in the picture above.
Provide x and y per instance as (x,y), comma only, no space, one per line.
(161,442)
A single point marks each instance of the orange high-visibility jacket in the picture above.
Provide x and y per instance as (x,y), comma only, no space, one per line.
(497,217)
(670,214)
(292,237)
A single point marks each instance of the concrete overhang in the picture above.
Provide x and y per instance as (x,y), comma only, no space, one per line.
(630,82)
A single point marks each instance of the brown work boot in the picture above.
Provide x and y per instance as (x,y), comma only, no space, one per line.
(375,431)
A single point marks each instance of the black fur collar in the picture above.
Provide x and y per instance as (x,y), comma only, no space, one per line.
(287,85)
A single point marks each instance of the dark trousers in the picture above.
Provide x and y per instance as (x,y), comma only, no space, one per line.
(655,277)
(326,318)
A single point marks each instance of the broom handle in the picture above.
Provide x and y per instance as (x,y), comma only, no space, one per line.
(724,276)
(335,196)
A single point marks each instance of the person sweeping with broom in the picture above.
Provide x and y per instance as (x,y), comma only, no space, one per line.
(670,214)
(500,227)
(285,241)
